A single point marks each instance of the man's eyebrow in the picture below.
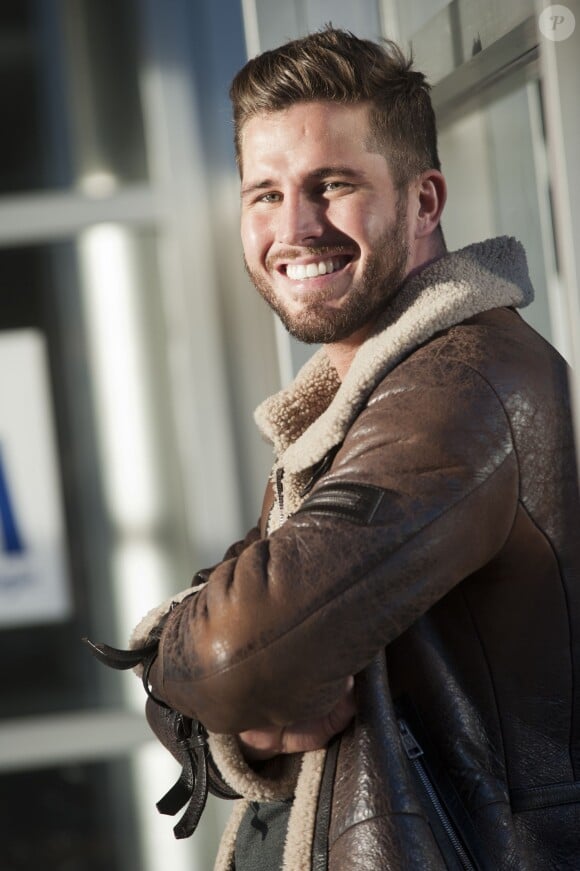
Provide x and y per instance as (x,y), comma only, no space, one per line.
(344,171)
(317,174)
(257,186)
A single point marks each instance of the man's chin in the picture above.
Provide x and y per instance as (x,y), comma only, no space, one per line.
(310,325)
(321,331)
(309,334)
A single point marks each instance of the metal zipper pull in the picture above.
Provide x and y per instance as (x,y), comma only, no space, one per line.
(412,747)
(280,489)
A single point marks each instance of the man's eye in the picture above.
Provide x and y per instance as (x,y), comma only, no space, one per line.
(271,197)
(330,186)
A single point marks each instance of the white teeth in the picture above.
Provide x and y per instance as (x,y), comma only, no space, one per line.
(298,271)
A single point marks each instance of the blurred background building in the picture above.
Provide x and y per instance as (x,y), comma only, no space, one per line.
(133,349)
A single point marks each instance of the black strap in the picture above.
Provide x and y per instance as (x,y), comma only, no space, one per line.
(122,660)
(178,795)
(192,784)
(324,809)
(191,788)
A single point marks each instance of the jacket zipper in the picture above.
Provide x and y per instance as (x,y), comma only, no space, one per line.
(414,753)
(280,490)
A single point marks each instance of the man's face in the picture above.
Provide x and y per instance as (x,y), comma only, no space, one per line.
(324,230)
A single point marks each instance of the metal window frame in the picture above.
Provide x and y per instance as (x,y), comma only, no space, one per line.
(467,86)
(46,217)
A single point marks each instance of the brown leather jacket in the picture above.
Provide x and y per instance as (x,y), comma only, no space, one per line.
(434,552)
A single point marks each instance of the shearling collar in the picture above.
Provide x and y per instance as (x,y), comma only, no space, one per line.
(308,418)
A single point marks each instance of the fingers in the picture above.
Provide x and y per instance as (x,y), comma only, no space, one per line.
(315,734)
(259,744)
(342,713)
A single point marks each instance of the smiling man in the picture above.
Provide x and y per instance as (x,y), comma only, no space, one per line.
(387,665)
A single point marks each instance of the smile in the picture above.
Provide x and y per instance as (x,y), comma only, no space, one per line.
(301,271)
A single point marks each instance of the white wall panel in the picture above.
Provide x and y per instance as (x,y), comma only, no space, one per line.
(361,18)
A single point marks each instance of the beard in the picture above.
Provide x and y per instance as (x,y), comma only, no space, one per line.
(384,273)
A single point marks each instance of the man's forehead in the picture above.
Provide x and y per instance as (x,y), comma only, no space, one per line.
(315,122)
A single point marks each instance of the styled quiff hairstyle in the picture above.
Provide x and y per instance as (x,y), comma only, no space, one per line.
(335,65)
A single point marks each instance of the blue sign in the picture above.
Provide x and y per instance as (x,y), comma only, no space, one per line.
(34,584)
(10,533)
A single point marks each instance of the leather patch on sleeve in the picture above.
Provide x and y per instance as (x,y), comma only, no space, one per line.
(355,502)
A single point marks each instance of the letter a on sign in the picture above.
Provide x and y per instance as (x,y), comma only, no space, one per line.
(34,583)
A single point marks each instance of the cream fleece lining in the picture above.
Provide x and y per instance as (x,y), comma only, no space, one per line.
(142,632)
(225,856)
(276,780)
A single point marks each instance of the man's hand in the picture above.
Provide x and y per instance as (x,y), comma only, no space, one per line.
(260,744)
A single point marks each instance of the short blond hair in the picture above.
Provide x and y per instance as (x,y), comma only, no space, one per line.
(337,66)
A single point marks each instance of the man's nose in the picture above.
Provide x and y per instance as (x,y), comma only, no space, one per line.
(300,220)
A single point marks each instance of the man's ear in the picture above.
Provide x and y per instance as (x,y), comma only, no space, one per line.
(431,191)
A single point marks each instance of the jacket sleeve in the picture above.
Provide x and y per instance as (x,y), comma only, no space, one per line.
(422,493)
(233,551)
(151,625)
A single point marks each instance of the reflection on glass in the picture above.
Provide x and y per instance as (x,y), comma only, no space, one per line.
(75,817)
(70,98)
(96,305)
(39,298)
(492,158)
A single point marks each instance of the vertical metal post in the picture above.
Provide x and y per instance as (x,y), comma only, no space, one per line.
(559,63)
